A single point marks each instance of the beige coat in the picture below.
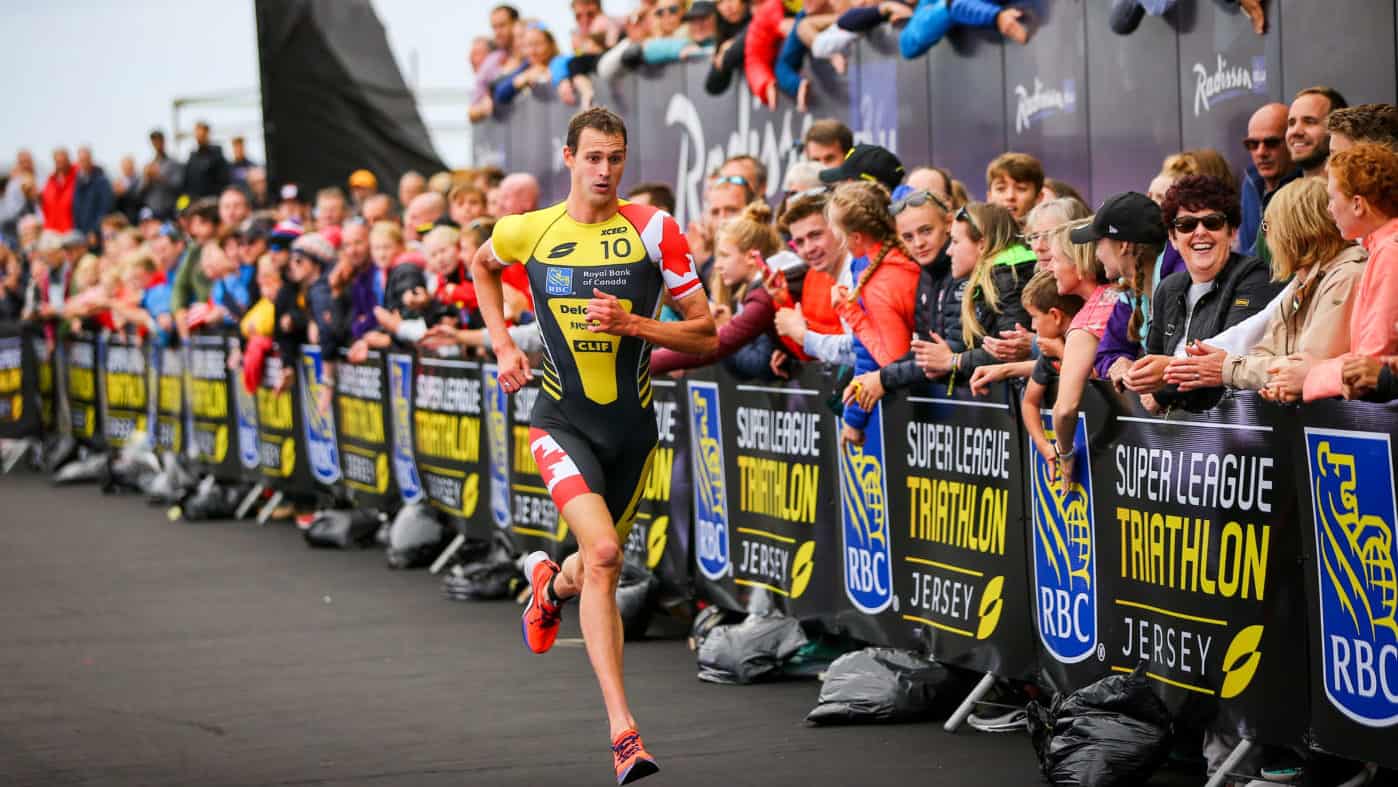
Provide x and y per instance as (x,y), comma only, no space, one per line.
(1320,328)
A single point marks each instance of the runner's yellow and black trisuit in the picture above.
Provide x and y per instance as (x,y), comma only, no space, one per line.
(593,427)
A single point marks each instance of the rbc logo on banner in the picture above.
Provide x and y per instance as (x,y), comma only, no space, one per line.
(711,503)
(497,445)
(247,421)
(1065,568)
(322,453)
(1353,502)
(864,520)
(400,380)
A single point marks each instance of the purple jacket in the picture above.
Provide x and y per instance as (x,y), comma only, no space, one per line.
(362,303)
(1116,340)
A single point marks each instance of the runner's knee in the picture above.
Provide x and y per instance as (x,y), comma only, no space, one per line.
(603,558)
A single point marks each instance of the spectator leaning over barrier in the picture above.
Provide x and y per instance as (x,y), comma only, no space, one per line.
(732,22)
(813,17)
(192,285)
(539,50)
(1307,136)
(694,39)
(741,303)
(991,305)
(1377,123)
(879,310)
(1218,289)
(827,142)
(305,307)
(1051,313)
(1127,234)
(1046,218)
(763,42)
(923,220)
(370,287)
(1015,182)
(1363,191)
(93,197)
(499,62)
(1271,167)
(811,328)
(1314,314)
(934,18)
(56,201)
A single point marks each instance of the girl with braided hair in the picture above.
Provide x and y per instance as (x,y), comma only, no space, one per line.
(879,311)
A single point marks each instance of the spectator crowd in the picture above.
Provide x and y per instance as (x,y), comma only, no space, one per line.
(1280,281)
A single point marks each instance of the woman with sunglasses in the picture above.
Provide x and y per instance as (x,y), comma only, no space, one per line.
(1314,315)
(1219,288)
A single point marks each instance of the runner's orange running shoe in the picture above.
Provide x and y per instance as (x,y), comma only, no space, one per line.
(632,760)
(541,615)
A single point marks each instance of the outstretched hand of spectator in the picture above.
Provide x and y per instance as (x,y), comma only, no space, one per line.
(933,356)
(1201,368)
(1013,345)
(865,390)
(985,376)
(778,364)
(1359,375)
(791,324)
(1010,23)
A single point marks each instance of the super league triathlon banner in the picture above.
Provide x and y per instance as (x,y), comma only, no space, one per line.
(1348,515)
(281,461)
(399,368)
(660,537)
(322,452)
(1193,558)
(932,516)
(362,428)
(215,430)
(168,413)
(764,502)
(535,522)
(19,384)
(125,390)
(447,435)
(44,355)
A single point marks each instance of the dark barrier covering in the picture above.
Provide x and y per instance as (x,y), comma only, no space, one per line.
(449,441)
(400,399)
(168,410)
(1045,86)
(20,408)
(83,380)
(281,461)
(1199,560)
(535,523)
(48,383)
(764,508)
(1345,482)
(660,537)
(216,431)
(947,468)
(322,450)
(362,427)
(125,391)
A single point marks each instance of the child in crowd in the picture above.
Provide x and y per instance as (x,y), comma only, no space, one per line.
(1015,182)
(465,203)
(259,323)
(1051,313)
(414,310)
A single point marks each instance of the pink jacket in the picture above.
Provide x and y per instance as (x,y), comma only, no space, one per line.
(1373,327)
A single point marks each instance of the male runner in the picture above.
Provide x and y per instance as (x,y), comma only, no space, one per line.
(596,268)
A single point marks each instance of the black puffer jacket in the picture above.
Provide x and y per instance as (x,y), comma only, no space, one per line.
(1240,290)
(938,311)
(1014,268)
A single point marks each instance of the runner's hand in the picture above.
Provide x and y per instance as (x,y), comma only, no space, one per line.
(514,368)
(605,314)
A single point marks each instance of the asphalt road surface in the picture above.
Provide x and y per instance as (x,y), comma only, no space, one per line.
(137,651)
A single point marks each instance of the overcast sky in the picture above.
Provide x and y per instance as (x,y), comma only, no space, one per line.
(105,72)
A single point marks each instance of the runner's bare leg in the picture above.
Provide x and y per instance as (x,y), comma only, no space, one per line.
(596,568)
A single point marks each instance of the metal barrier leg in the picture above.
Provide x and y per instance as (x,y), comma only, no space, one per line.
(447,554)
(266,513)
(11,451)
(964,709)
(1229,763)
(248,499)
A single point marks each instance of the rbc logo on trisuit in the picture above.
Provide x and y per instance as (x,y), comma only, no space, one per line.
(1065,566)
(497,447)
(1352,499)
(400,380)
(864,521)
(711,505)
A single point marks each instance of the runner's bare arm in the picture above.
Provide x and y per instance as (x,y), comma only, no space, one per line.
(694,334)
(485,271)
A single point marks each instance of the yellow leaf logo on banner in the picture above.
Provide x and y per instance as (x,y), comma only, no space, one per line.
(470,494)
(656,540)
(992,602)
(801,569)
(1240,662)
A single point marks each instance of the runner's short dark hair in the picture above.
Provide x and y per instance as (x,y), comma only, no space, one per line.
(598,119)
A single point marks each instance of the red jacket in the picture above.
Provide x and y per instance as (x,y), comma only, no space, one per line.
(762,45)
(882,318)
(57,200)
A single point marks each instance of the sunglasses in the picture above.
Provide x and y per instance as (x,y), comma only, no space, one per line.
(1212,222)
(965,215)
(666,10)
(1266,142)
(916,200)
(737,180)
(818,191)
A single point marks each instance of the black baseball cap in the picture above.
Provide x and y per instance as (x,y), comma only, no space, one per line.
(867,162)
(699,10)
(1130,216)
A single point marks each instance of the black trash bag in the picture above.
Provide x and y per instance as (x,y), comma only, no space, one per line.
(342,529)
(59,450)
(1112,732)
(491,576)
(880,685)
(85,470)
(415,538)
(211,500)
(636,595)
(750,651)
